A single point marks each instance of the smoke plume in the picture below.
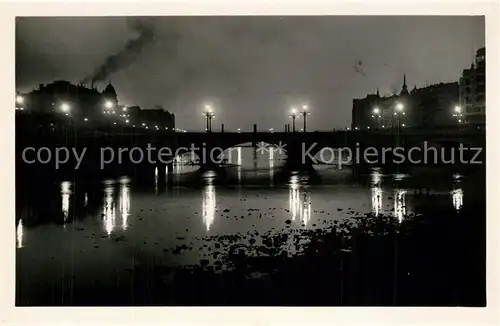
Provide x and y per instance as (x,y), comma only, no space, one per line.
(129,53)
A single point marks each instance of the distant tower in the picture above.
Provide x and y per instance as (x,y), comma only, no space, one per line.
(378,93)
(414,90)
(404,89)
(110,93)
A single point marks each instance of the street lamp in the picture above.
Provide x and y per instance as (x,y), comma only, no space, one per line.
(293,116)
(109,104)
(210,115)
(399,108)
(65,107)
(304,113)
(19,99)
(458,113)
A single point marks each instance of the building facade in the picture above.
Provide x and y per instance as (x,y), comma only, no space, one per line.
(64,97)
(473,90)
(430,106)
(82,105)
(156,118)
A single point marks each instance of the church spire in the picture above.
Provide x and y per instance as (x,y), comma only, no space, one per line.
(404,89)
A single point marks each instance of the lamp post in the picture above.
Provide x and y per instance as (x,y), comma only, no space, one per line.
(457,112)
(209,114)
(293,116)
(19,102)
(65,108)
(376,115)
(399,111)
(304,113)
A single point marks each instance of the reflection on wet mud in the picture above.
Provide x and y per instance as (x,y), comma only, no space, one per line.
(299,201)
(376,200)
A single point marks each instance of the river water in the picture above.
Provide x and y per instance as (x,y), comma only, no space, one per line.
(115,241)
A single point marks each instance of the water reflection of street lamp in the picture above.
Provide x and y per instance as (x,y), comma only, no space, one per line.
(208,205)
(124,202)
(65,199)
(299,201)
(400,205)
(458,198)
(376,192)
(294,197)
(20,234)
(109,211)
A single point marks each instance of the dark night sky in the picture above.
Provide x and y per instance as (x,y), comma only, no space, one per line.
(252,69)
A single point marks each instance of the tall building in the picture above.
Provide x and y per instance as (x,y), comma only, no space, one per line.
(473,90)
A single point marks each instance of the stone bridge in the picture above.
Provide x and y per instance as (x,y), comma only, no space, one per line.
(295,143)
